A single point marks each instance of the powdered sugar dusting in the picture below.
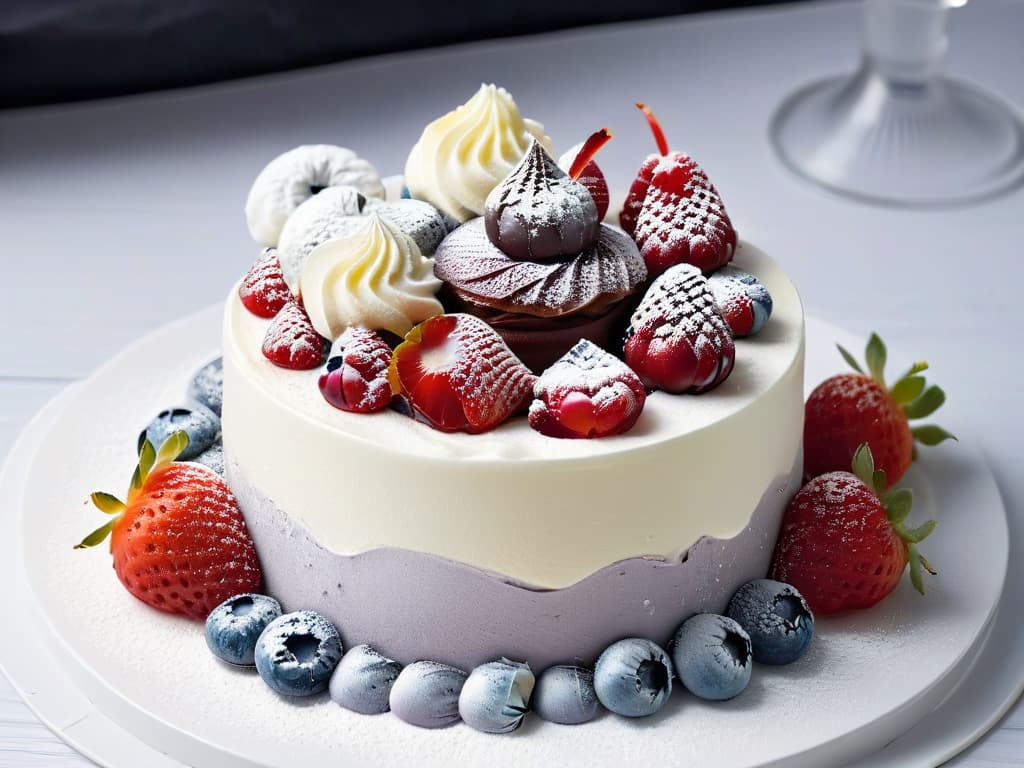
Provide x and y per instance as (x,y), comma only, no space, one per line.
(291,341)
(683,219)
(599,276)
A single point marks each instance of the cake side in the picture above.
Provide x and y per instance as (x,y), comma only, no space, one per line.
(542,512)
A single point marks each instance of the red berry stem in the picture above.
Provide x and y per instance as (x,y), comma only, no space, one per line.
(590,148)
(659,135)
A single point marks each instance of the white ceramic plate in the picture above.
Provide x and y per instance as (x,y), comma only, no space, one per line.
(123,669)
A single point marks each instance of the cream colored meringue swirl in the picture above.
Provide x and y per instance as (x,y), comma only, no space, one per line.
(463,155)
(375,278)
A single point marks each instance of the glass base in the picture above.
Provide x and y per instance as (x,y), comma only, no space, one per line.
(944,142)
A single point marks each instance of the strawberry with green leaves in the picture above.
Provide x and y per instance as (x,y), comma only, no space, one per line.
(845,541)
(179,540)
(853,408)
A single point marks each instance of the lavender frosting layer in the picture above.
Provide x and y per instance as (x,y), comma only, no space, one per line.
(411,606)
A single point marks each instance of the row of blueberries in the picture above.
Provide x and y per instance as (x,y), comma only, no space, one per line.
(198,417)
(300,654)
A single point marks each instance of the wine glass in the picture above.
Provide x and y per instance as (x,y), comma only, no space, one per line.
(899,131)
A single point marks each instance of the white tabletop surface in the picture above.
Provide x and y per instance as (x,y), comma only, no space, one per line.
(120,216)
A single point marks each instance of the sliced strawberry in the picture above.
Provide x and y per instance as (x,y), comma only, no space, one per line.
(357,379)
(179,541)
(263,290)
(677,339)
(586,393)
(853,408)
(844,542)
(457,374)
(743,301)
(291,341)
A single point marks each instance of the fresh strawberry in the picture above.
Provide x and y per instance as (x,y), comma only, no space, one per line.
(578,162)
(586,393)
(179,541)
(291,341)
(743,301)
(357,379)
(844,543)
(674,212)
(457,374)
(852,408)
(263,290)
(677,339)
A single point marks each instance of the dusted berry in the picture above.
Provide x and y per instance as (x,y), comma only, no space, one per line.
(426,694)
(579,164)
(356,379)
(743,301)
(263,290)
(586,393)
(845,542)
(633,677)
(677,339)
(496,696)
(297,653)
(213,457)
(362,681)
(712,656)
(853,408)
(538,213)
(234,626)
(458,375)
(201,426)
(776,617)
(207,385)
(674,212)
(292,342)
(565,694)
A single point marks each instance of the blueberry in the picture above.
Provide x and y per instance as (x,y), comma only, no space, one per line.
(776,617)
(207,385)
(496,696)
(297,653)
(213,457)
(234,626)
(712,656)
(426,694)
(362,682)
(406,194)
(201,425)
(633,677)
(565,694)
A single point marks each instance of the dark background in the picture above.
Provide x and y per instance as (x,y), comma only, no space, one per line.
(66,50)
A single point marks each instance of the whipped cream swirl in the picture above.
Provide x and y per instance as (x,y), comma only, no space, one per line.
(465,154)
(375,278)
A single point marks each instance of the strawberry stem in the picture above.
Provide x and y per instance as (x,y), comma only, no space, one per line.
(590,148)
(659,135)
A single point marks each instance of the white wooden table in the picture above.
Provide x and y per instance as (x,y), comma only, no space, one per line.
(121,216)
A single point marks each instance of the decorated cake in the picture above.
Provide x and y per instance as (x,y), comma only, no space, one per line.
(485,440)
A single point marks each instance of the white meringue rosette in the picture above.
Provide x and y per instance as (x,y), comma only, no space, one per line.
(464,154)
(297,175)
(375,278)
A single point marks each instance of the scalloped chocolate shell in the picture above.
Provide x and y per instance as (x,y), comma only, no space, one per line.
(482,273)
(538,213)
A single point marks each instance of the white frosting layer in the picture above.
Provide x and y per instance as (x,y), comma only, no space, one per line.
(464,154)
(376,278)
(543,511)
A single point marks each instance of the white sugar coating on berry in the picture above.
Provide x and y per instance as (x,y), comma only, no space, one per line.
(609,270)
(681,305)
(585,368)
(297,175)
(484,371)
(689,218)
(862,390)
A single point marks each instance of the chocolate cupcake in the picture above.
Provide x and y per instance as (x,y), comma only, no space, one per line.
(538,266)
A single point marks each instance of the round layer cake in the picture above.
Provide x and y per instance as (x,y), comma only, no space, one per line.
(465,548)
